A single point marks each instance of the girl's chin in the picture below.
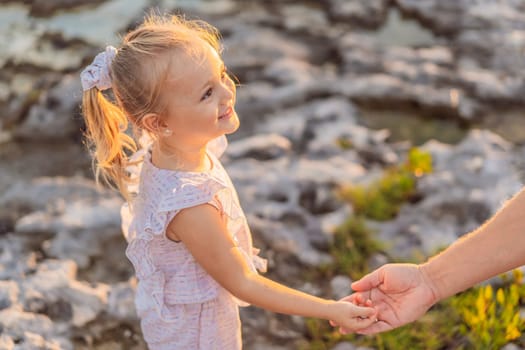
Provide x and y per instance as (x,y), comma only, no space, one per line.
(233,124)
(232,130)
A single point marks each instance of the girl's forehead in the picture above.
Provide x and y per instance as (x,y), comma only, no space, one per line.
(190,70)
(201,60)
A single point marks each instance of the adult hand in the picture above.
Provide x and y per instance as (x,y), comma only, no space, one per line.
(401,293)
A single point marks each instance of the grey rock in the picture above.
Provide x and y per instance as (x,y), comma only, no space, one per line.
(88,26)
(79,215)
(287,71)
(16,259)
(121,301)
(9,294)
(285,240)
(55,280)
(364,13)
(50,192)
(16,323)
(345,345)
(260,147)
(341,286)
(303,19)
(242,52)
(46,8)
(55,116)
(511,346)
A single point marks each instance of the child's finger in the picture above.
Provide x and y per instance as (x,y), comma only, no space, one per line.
(365,322)
(364,311)
(370,281)
(359,323)
(357,298)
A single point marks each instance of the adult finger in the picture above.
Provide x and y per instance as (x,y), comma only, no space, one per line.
(371,280)
(374,328)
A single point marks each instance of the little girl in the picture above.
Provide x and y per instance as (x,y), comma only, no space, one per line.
(187,236)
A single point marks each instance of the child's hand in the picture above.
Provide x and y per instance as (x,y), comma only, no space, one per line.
(351,317)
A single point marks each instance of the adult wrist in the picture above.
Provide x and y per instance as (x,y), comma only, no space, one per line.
(431,279)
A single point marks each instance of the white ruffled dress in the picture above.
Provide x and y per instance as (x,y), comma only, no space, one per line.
(179,304)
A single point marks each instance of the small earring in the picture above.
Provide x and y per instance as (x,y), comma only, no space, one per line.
(167,132)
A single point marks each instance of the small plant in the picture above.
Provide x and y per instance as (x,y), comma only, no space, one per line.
(436,330)
(382,199)
(353,242)
(352,247)
(322,335)
(492,320)
(344,143)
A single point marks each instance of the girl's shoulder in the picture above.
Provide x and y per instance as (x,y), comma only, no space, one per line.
(164,193)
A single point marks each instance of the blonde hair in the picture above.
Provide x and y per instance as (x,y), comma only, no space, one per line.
(138,74)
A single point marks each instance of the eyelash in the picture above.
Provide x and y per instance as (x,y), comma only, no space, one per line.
(208,92)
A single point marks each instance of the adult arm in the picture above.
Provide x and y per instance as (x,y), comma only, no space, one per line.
(495,247)
(404,292)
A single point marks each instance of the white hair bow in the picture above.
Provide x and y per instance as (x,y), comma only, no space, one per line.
(97,73)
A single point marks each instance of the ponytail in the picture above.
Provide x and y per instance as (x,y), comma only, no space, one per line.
(106,126)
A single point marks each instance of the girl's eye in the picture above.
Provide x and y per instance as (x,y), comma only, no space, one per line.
(207,94)
(224,76)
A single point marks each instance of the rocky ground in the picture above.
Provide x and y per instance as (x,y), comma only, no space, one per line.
(308,70)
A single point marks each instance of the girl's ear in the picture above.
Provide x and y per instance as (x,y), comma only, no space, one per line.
(153,123)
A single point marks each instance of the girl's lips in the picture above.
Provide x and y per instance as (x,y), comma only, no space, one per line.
(227,114)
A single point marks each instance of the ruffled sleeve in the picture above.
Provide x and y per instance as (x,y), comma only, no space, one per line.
(184,193)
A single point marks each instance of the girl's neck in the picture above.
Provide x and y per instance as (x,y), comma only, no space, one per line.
(171,158)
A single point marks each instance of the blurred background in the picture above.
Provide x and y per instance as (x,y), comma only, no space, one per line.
(371,132)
